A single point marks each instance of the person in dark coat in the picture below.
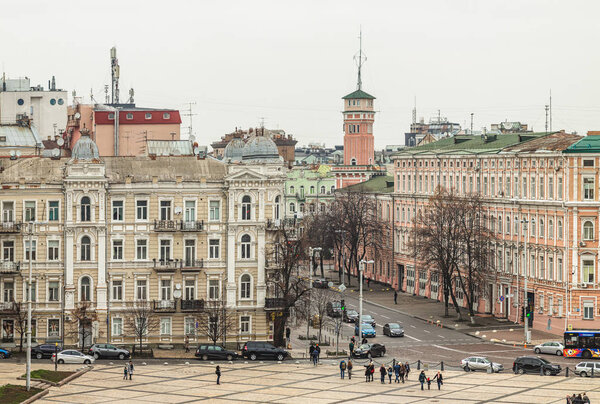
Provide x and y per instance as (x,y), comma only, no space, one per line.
(395,297)
(406,370)
(349,369)
(125,371)
(397,368)
(439,379)
(390,372)
(585,399)
(422,378)
(368,372)
(383,372)
(218,373)
(402,372)
(130,369)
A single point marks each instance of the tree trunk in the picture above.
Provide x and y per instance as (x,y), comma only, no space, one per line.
(279,330)
(321,263)
(21,343)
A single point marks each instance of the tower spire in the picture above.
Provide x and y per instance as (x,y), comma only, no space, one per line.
(360,58)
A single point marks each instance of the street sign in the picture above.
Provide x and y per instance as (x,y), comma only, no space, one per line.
(330,284)
(501,298)
(570,327)
(342,288)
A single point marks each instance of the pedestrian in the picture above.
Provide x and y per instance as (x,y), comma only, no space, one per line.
(585,398)
(428,383)
(439,379)
(130,369)
(422,378)
(368,372)
(288,333)
(383,372)
(395,296)
(406,369)
(351,348)
(125,370)
(364,341)
(372,367)
(318,351)
(349,369)
(402,372)
(218,373)
(315,357)
(390,371)
(397,368)
(186,344)
(342,368)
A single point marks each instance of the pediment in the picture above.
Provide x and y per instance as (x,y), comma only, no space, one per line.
(245,175)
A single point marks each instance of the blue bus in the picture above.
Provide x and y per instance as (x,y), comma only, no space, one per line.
(582,344)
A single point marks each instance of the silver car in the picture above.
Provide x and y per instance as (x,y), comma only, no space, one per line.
(584,369)
(474,363)
(552,348)
(72,356)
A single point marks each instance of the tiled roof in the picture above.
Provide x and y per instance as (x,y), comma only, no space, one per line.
(558,141)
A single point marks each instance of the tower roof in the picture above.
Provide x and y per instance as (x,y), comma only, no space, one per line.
(358,94)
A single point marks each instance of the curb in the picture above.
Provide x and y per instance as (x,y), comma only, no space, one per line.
(36,397)
(63,381)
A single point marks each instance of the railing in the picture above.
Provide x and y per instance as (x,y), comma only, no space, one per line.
(192,264)
(10,227)
(274,303)
(164,305)
(277,223)
(8,307)
(192,305)
(7,267)
(166,265)
(165,225)
(194,225)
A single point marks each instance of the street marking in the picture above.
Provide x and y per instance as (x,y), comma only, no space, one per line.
(416,339)
(428,332)
(412,326)
(449,349)
(385,316)
(441,336)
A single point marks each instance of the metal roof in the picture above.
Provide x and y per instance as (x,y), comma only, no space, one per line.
(20,136)
(358,94)
(170,148)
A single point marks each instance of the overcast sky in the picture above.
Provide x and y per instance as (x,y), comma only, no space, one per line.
(290,62)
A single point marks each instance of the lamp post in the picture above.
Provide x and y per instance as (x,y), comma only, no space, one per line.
(343,252)
(28,370)
(361,269)
(525,297)
(311,252)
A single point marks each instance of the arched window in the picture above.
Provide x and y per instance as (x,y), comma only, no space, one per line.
(353,162)
(559,230)
(588,230)
(245,246)
(322,207)
(322,189)
(292,189)
(245,290)
(312,207)
(301,190)
(292,207)
(507,224)
(277,204)
(246,208)
(332,188)
(542,229)
(551,228)
(86,249)
(302,207)
(312,189)
(84,296)
(86,209)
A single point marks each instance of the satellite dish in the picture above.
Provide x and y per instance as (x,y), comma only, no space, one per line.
(77,115)
(178,286)
(177,294)
(60,141)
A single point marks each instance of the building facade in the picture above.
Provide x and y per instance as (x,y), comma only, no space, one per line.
(308,190)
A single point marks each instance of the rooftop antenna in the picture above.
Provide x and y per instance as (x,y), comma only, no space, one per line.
(106,98)
(414,111)
(115,73)
(131,94)
(360,58)
(472,123)
(547,108)
(190,114)
(550,110)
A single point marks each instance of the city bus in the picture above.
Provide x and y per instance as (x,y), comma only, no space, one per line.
(582,344)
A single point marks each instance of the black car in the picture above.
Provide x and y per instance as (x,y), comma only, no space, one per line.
(320,283)
(350,316)
(393,330)
(254,350)
(334,309)
(45,350)
(369,351)
(108,351)
(206,352)
(535,364)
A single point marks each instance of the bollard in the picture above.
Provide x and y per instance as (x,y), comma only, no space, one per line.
(419,364)
(567,372)
(442,366)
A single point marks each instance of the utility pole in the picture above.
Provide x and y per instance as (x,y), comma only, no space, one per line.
(472,123)
(361,269)
(550,110)
(547,108)
(190,114)
(525,297)
(28,370)
(311,252)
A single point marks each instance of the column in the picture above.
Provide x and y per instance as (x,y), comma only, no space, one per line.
(230,287)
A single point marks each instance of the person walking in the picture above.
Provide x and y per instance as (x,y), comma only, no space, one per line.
(349,369)
(351,348)
(395,296)
(318,351)
(125,371)
(383,372)
(186,344)
(288,333)
(311,351)
(315,357)
(390,372)
(397,368)
(342,368)
(428,383)
(406,370)
(218,373)
(402,372)
(364,341)
(130,369)
(585,398)
(422,378)
(368,372)
(439,379)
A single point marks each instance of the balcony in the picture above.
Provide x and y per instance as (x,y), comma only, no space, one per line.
(278,223)
(194,225)
(191,265)
(192,305)
(10,227)
(10,267)
(165,225)
(274,303)
(164,306)
(8,308)
(166,265)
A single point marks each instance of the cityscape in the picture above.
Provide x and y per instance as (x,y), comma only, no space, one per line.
(239,226)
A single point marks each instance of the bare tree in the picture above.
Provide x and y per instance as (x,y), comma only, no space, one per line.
(20,316)
(317,230)
(82,319)
(215,320)
(141,320)
(318,300)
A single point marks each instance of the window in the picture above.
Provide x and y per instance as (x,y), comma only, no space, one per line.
(165,210)
(213,248)
(292,207)
(190,289)
(532,195)
(9,291)
(277,207)
(550,187)
(588,310)
(312,189)
(53,211)
(245,246)
(8,250)
(190,211)
(86,249)
(190,326)
(117,211)
(542,229)
(30,250)
(165,250)
(117,250)
(141,210)
(559,269)
(559,230)
(551,269)
(117,327)
(245,324)
(213,289)
(30,211)
(588,163)
(85,289)
(588,271)
(141,249)
(85,209)
(245,287)
(129,116)
(166,115)
(148,115)
(246,208)
(117,289)
(165,289)
(322,189)
(53,251)
(190,252)
(53,289)
(588,189)
(542,268)
(550,229)
(141,289)
(559,192)
(588,230)
(165,326)
(8,212)
(53,328)
(215,213)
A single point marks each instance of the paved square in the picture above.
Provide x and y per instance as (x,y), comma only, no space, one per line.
(290,382)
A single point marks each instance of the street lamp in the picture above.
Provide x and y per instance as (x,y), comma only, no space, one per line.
(343,253)
(361,269)
(311,252)
(525,297)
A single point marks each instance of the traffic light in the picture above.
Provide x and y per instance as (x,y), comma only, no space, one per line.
(529,315)
(343,304)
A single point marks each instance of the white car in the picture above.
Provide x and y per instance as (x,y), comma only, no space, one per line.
(584,369)
(474,363)
(552,348)
(72,356)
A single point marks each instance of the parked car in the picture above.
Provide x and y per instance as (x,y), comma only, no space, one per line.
(45,350)
(72,356)
(552,348)
(350,316)
(393,330)
(584,369)
(367,319)
(207,352)
(254,350)
(533,364)
(320,283)
(367,330)
(4,353)
(369,351)
(108,351)
(334,309)
(474,363)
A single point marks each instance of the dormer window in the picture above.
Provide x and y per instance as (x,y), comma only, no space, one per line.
(166,115)
(148,115)
(111,116)
(129,116)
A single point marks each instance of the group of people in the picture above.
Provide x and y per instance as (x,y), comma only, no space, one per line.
(314,352)
(128,370)
(578,399)
(424,379)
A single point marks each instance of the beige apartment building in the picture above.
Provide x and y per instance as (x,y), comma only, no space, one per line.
(172,232)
